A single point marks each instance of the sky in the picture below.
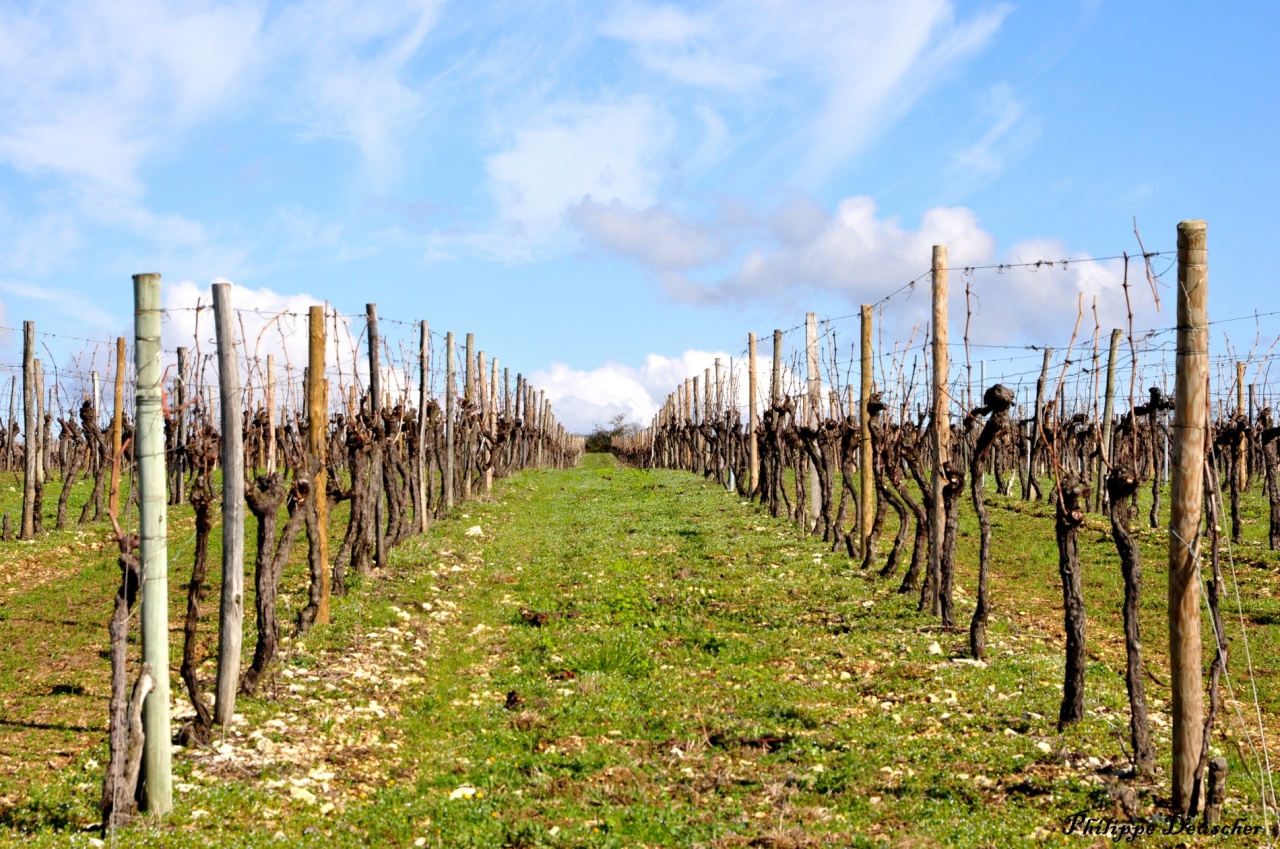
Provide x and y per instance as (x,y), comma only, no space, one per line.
(610,195)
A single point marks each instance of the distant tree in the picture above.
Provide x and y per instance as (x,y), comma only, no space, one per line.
(602,435)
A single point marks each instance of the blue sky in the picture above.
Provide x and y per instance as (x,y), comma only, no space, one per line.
(608,194)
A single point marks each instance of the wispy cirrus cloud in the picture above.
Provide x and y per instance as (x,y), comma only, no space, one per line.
(855,67)
(94,95)
(90,91)
(1011,130)
(350,68)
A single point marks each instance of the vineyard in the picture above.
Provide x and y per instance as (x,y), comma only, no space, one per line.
(393,460)
(828,560)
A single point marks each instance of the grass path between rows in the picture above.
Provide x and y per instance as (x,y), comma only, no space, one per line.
(612,657)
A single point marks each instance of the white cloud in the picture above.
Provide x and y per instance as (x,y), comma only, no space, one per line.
(683,46)
(93,94)
(853,252)
(859,256)
(1040,303)
(37,245)
(583,399)
(1011,132)
(869,61)
(875,60)
(350,64)
(89,91)
(74,305)
(654,236)
(267,323)
(602,152)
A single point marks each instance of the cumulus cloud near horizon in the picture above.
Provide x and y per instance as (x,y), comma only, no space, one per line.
(858,254)
(267,324)
(584,399)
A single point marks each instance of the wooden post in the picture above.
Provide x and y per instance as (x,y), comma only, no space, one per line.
(506,392)
(424,392)
(753,420)
(775,378)
(468,398)
(814,413)
(707,415)
(719,391)
(1037,415)
(9,435)
(271,413)
(866,503)
(180,395)
(1240,387)
(482,423)
(1240,447)
(29,428)
(1108,409)
(117,416)
(375,370)
(231,616)
(1190,426)
(157,786)
(542,422)
(941,421)
(317,446)
(468,384)
(450,401)
(375,408)
(491,423)
(982,388)
(37,373)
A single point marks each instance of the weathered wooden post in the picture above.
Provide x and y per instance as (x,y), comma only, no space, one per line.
(37,372)
(941,423)
(271,413)
(317,446)
(753,420)
(468,382)
(468,398)
(775,378)
(542,423)
(1108,410)
(482,425)
(866,503)
(450,402)
(491,423)
(180,456)
(814,413)
(1190,427)
(30,426)
(157,784)
(117,418)
(375,410)
(424,392)
(982,385)
(1037,424)
(1241,447)
(231,615)
(707,417)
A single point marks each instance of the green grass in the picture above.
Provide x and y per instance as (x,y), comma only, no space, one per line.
(704,676)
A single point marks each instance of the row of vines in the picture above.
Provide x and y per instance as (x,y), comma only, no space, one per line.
(385,444)
(838,459)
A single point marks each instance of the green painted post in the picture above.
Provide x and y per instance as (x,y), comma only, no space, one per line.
(153,545)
